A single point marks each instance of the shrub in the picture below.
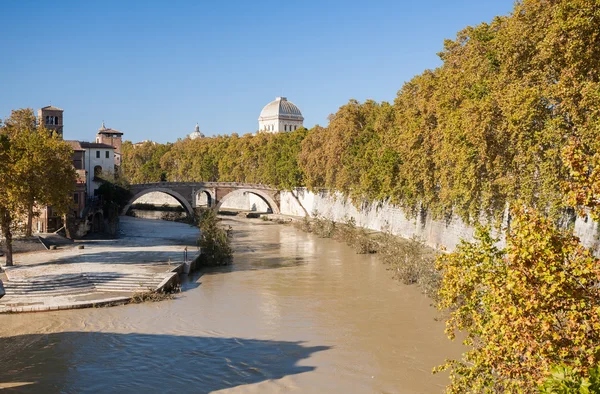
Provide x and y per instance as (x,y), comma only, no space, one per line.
(214,240)
(304,224)
(324,228)
(411,261)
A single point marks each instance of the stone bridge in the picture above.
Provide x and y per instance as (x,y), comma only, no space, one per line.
(210,194)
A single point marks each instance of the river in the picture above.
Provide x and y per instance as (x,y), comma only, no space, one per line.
(293,313)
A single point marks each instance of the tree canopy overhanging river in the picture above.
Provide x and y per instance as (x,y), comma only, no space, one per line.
(293,313)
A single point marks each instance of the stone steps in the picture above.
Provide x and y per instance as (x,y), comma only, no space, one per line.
(82,284)
(51,291)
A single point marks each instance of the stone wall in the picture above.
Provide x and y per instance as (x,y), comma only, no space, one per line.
(244,201)
(382,216)
(157,198)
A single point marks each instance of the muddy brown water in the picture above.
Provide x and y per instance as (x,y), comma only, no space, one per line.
(294,313)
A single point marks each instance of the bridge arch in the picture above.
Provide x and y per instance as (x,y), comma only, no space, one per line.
(260,193)
(182,200)
(204,198)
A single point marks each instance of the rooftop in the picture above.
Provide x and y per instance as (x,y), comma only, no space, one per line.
(52,108)
(76,145)
(88,145)
(281,108)
(104,130)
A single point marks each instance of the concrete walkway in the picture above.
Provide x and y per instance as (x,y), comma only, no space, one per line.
(146,257)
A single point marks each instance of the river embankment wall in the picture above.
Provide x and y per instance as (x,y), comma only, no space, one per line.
(383,216)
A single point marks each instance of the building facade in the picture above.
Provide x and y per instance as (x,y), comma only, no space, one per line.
(99,162)
(280,115)
(113,138)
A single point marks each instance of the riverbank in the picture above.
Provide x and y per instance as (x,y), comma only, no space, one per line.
(146,257)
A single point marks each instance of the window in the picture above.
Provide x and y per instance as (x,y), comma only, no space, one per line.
(76,198)
(56,120)
(107,154)
(97,171)
(47,120)
(97,154)
(285,127)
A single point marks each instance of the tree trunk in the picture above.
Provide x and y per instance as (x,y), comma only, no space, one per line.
(28,230)
(68,223)
(5,222)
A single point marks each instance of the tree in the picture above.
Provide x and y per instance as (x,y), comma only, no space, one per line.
(214,240)
(525,309)
(583,186)
(37,169)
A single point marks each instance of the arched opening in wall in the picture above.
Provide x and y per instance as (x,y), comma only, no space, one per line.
(97,172)
(203,199)
(244,201)
(157,205)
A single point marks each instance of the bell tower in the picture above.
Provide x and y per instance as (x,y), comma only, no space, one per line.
(52,119)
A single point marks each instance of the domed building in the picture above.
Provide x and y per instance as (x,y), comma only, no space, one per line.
(280,115)
(196,133)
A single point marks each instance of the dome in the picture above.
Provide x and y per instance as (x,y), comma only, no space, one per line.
(196,133)
(281,108)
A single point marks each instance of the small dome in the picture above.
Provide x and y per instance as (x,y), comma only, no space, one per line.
(196,133)
(281,108)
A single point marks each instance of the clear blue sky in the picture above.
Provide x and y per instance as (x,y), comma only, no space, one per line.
(152,69)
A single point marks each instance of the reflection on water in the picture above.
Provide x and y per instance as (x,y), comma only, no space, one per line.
(294,313)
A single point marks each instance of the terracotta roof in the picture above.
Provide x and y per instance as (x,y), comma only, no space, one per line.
(109,131)
(76,145)
(88,145)
(51,108)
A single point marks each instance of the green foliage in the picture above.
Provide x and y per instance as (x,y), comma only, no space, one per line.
(35,168)
(524,309)
(564,380)
(214,241)
(583,186)
(115,193)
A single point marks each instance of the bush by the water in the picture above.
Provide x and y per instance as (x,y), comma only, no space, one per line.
(324,228)
(214,241)
(411,262)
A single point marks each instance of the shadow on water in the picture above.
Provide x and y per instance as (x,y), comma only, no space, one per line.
(134,363)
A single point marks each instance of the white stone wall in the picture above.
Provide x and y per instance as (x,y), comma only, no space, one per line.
(386,217)
(246,201)
(157,198)
(279,125)
(588,232)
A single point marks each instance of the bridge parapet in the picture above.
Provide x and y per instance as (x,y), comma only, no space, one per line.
(205,184)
